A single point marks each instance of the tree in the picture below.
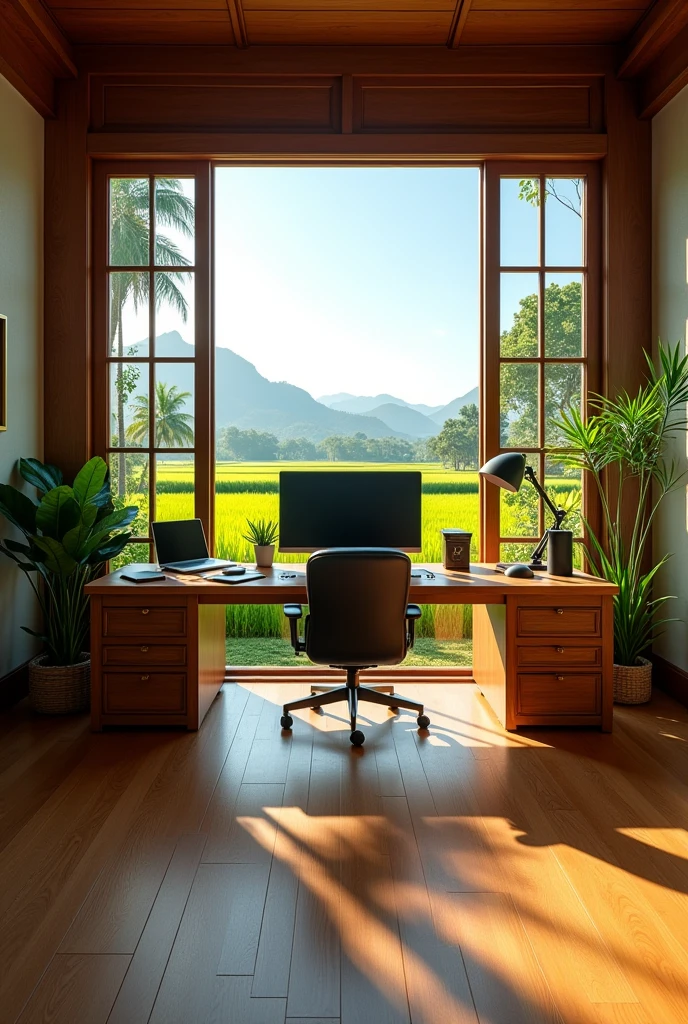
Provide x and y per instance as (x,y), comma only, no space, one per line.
(297,449)
(519,381)
(173,426)
(457,443)
(129,247)
(529,190)
(246,445)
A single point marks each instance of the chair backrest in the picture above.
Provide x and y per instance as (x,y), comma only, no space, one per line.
(357,599)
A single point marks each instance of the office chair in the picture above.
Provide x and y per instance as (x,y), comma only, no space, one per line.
(359,617)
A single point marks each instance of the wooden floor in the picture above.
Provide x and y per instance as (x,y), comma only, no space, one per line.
(243,875)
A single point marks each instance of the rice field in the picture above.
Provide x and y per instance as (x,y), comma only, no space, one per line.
(250,491)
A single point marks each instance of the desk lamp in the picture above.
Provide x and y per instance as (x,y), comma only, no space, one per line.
(508,470)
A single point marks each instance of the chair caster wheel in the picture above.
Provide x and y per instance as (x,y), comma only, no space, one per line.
(286,721)
(357,738)
(423,721)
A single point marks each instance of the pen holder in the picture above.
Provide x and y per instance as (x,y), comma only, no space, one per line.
(560,552)
(456,549)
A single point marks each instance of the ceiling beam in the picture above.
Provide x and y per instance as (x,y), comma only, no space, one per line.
(665,77)
(49,35)
(458,22)
(663,21)
(33,53)
(236,16)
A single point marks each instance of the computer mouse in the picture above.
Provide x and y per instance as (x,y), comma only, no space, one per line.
(520,571)
(234,570)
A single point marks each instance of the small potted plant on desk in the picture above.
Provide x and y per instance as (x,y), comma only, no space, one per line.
(69,534)
(262,534)
(623,444)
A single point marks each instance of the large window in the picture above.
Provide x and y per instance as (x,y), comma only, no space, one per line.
(347,333)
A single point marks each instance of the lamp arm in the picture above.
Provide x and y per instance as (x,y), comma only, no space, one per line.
(558,513)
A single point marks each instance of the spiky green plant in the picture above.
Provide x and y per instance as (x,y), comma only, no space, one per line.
(261,532)
(623,442)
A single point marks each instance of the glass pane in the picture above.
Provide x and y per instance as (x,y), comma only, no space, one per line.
(174,315)
(564,222)
(518,405)
(129,480)
(174,405)
(174,487)
(509,552)
(519,222)
(518,315)
(174,221)
(519,513)
(133,554)
(129,222)
(562,390)
(129,405)
(563,485)
(563,315)
(129,314)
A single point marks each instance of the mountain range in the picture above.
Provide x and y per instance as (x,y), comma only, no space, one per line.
(246,399)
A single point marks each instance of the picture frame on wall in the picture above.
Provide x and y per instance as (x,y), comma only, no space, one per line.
(3,372)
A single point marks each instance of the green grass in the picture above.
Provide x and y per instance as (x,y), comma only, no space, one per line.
(269,651)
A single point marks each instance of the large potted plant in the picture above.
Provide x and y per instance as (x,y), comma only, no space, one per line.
(70,532)
(622,448)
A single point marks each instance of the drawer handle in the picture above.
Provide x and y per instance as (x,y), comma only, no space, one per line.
(144,611)
(144,678)
(559,650)
(560,679)
(144,650)
(560,611)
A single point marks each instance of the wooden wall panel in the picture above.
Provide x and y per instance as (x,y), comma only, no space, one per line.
(140,26)
(392,28)
(547,26)
(232,103)
(450,104)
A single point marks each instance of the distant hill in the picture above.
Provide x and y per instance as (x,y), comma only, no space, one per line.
(405,419)
(345,402)
(246,399)
(447,412)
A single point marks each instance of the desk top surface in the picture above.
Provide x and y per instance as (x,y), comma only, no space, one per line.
(482,584)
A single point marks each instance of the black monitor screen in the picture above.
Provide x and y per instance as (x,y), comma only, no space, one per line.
(350,509)
(179,540)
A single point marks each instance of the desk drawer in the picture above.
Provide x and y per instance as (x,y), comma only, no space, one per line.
(165,655)
(140,693)
(143,620)
(559,621)
(559,694)
(556,656)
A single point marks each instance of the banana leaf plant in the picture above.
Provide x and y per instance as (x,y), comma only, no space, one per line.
(70,532)
(624,441)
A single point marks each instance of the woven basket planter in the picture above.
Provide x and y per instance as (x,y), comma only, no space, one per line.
(633,683)
(59,689)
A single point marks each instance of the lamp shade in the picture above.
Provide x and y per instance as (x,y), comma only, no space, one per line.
(505,470)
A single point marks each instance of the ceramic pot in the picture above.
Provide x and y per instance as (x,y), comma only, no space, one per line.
(265,554)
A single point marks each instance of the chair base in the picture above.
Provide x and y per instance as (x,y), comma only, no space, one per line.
(352,693)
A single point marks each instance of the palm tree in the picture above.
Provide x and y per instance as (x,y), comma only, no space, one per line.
(129,247)
(173,426)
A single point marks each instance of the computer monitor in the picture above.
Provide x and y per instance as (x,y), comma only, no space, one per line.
(349,509)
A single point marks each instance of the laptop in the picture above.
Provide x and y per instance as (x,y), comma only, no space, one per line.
(181,547)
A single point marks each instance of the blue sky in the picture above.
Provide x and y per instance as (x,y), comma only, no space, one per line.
(363,280)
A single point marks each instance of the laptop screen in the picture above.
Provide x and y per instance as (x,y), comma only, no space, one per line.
(179,541)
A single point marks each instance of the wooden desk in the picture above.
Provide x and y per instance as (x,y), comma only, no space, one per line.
(542,648)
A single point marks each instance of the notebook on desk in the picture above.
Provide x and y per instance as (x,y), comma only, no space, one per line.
(251,574)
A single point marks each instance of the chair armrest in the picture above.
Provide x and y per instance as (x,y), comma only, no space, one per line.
(294,612)
(413,612)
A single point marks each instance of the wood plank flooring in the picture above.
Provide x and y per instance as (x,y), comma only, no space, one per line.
(241,875)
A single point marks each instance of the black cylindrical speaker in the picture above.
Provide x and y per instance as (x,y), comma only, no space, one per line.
(560,552)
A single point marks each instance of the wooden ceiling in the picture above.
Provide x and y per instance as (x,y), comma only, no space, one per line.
(347,22)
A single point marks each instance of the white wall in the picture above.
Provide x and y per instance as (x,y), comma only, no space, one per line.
(21,300)
(670,312)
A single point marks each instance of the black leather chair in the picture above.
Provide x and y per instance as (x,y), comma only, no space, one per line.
(359,617)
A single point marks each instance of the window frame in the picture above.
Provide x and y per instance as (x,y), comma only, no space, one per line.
(203,448)
(590,359)
(489,358)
